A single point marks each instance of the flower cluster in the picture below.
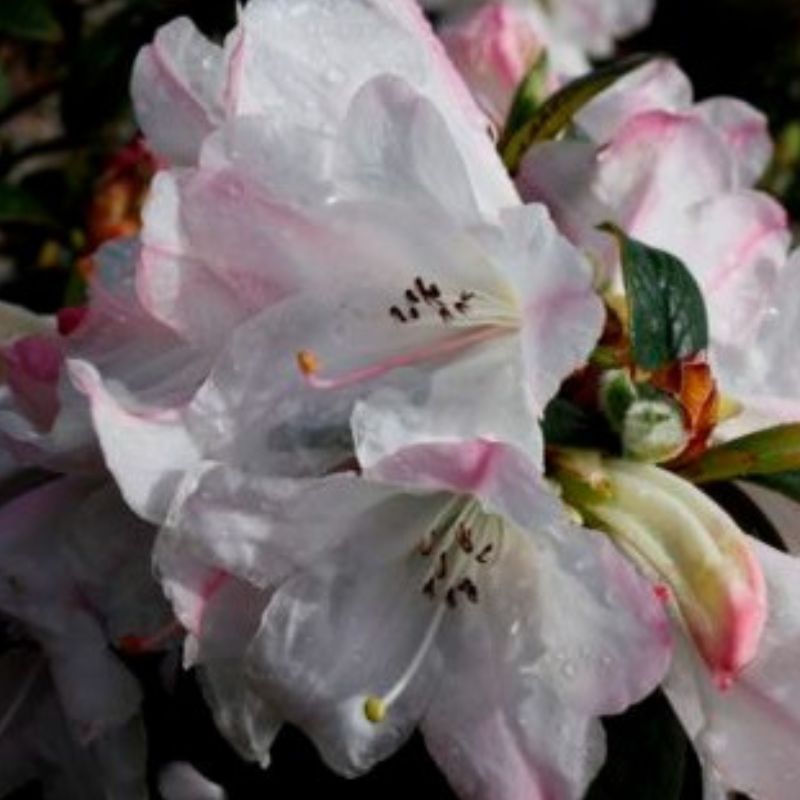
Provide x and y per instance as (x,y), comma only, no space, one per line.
(410,388)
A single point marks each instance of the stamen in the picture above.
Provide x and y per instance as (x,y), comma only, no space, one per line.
(376,707)
(309,365)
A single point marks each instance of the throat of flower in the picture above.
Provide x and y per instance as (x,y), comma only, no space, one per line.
(463,540)
(310,365)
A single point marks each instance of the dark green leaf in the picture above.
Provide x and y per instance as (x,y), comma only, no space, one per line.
(787,483)
(567,425)
(527,100)
(558,110)
(18,205)
(666,309)
(647,754)
(29,19)
(768,452)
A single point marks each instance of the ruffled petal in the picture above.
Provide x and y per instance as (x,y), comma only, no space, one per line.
(659,86)
(178,90)
(751,732)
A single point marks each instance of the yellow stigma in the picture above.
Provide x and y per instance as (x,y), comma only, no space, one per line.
(307,362)
(375,709)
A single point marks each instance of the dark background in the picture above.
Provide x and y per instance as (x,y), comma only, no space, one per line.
(64,113)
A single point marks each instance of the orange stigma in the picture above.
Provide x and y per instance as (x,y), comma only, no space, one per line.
(307,362)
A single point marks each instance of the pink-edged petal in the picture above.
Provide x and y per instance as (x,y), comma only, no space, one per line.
(745,131)
(755,372)
(391,419)
(493,49)
(178,89)
(496,733)
(147,450)
(173,280)
(221,613)
(562,316)
(659,86)
(264,529)
(751,732)
(290,47)
(736,246)
(659,164)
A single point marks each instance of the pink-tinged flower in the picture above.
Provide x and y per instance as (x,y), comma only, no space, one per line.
(391,292)
(495,46)
(74,580)
(293,62)
(430,591)
(589,26)
(676,176)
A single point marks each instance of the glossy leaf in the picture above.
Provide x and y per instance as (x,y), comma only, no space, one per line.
(667,313)
(773,451)
(558,110)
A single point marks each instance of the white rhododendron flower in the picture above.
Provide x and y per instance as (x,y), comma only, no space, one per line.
(411,433)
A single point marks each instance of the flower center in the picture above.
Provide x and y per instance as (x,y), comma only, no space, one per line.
(462,540)
(473,317)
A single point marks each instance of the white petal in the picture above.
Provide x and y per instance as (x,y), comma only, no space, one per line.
(750,733)
(177,86)
(331,639)
(181,781)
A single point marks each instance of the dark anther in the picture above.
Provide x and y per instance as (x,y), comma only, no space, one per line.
(485,554)
(469,589)
(460,307)
(397,314)
(442,571)
(426,545)
(433,292)
(411,297)
(429,589)
(451,598)
(413,313)
(464,538)
(445,313)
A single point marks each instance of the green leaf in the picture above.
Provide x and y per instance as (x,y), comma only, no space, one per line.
(29,19)
(647,754)
(567,425)
(5,89)
(558,110)
(769,452)
(527,100)
(18,205)
(666,309)
(786,483)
